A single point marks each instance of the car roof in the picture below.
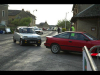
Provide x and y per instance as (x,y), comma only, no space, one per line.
(74,31)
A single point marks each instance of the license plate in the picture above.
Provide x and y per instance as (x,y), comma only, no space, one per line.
(32,41)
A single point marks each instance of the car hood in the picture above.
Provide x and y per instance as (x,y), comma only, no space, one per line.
(29,35)
(38,30)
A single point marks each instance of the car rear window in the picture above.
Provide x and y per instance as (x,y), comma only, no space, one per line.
(90,36)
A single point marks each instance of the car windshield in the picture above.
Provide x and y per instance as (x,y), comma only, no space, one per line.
(36,29)
(26,30)
(90,36)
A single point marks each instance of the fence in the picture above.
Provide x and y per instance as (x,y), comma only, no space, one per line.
(88,62)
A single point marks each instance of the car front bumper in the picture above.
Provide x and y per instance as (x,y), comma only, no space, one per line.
(31,41)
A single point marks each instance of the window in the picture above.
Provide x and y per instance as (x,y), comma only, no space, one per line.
(90,36)
(26,30)
(3,13)
(77,36)
(63,35)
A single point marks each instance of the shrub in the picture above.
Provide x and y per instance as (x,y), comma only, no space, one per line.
(63,29)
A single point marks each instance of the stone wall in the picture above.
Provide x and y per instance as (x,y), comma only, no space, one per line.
(87,25)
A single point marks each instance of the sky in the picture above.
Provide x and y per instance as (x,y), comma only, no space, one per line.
(46,12)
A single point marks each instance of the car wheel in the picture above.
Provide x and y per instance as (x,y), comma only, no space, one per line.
(14,40)
(21,42)
(55,48)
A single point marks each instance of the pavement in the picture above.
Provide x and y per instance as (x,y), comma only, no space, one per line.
(5,36)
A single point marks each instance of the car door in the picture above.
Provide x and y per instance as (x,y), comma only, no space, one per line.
(17,34)
(62,39)
(77,42)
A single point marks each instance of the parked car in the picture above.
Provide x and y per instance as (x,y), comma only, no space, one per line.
(49,29)
(39,31)
(44,29)
(26,35)
(70,41)
(55,28)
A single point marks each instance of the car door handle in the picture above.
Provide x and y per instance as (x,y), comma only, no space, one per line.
(70,41)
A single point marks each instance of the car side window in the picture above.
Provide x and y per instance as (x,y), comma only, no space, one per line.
(77,36)
(64,35)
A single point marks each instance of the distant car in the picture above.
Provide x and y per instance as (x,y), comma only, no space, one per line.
(44,29)
(49,29)
(39,31)
(71,41)
(55,29)
(26,35)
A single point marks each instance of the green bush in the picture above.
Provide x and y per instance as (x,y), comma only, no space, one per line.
(12,31)
(63,29)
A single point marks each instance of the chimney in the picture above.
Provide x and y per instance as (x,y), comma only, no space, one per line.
(22,9)
(45,22)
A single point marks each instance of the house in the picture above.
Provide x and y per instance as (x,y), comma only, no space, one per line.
(43,25)
(13,14)
(3,14)
(86,17)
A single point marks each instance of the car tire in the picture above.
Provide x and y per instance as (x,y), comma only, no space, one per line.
(14,40)
(21,42)
(55,48)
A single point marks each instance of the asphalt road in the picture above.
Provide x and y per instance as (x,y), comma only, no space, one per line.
(14,57)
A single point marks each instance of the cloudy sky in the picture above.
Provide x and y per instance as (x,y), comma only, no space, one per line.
(46,12)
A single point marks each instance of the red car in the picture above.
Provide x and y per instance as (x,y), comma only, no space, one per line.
(70,41)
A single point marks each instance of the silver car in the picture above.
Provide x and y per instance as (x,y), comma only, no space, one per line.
(38,30)
(26,35)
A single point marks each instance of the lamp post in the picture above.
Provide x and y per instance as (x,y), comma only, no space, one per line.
(34,10)
(33,14)
(66,19)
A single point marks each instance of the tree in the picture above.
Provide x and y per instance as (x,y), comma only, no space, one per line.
(61,23)
(22,22)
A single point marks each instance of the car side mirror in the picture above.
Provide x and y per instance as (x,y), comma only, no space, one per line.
(86,39)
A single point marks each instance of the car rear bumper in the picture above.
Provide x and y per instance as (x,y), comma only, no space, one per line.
(47,45)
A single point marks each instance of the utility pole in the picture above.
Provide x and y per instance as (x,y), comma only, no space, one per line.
(66,19)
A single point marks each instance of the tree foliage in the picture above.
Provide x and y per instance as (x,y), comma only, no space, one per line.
(61,23)
(22,22)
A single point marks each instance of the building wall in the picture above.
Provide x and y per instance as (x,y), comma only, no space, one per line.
(43,26)
(22,14)
(5,8)
(86,25)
